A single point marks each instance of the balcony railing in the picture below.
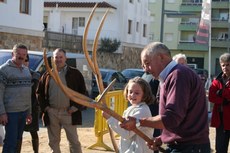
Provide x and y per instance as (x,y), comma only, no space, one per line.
(62,40)
(220,43)
(192,3)
(190,45)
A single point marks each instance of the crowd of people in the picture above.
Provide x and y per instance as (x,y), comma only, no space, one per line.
(168,104)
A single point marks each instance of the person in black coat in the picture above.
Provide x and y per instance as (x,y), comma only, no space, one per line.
(33,127)
(154,107)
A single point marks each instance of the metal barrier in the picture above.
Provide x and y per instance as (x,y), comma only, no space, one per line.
(114,100)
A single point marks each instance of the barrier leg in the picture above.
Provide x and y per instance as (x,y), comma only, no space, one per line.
(101,144)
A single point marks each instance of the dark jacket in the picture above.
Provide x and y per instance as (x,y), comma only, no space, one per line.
(34,126)
(220,99)
(75,81)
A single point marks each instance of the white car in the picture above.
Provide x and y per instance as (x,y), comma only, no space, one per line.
(37,63)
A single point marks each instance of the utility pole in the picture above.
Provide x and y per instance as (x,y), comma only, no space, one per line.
(162,20)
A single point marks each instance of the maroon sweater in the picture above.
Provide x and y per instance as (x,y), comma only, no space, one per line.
(183,108)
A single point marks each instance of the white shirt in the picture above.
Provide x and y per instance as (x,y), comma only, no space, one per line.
(130,142)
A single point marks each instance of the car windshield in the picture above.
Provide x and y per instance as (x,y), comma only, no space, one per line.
(4,56)
(131,74)
(33,63)
(103,75)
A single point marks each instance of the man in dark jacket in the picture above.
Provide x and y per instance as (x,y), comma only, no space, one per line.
(58,110)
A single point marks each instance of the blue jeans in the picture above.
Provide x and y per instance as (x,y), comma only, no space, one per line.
(189,148)
(13,131)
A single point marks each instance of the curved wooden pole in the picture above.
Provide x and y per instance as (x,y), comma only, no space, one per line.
(94,65)
(84,42)
(86,101)
(95,45)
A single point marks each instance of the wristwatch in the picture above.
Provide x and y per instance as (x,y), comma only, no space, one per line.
(138,124)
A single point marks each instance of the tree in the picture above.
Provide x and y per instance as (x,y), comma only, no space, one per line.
(109,45)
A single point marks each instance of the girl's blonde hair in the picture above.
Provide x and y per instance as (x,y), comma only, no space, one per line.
(148,97)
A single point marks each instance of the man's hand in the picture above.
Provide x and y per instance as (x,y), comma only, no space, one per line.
(155,144)
(129,123)
(3,119)
(29,119)
(219,92)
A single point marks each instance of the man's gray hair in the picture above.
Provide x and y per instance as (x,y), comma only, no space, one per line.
(178,56)
(224,57)
(156,47)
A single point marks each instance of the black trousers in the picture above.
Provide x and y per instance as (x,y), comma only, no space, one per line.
(222,137)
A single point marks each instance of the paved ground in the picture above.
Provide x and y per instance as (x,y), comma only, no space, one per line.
(86,136)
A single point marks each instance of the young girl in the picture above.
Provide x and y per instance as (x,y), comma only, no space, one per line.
(138,93)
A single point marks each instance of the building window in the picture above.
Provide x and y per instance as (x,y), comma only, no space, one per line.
(75,25)
(129,26)
(152,17)
(137,27)
(171,1)
(24,6)
(81,22)
(169,19)
(151,37)
(169,37)
(130,1)
(77,22)
(144,30)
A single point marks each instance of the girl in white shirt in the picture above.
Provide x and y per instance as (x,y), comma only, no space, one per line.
(138,93)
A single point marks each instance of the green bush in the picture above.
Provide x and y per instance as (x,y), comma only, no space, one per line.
(109,45)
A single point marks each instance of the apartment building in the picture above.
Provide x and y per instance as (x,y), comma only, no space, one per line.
(21,22)
(179,26)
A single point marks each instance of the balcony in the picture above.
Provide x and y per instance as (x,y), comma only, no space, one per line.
(220,43)
(220,4)
(190,45)
(220,23)
(191,6)
(188,26)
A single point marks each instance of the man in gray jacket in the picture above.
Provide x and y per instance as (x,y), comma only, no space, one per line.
(15,98)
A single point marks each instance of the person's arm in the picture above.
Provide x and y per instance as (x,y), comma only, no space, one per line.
(3,119)
(3,115)
(2,106)
(215,93)
(76,82)
(41,95)
(153,122)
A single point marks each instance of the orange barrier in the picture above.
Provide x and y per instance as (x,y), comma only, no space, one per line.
(115,101)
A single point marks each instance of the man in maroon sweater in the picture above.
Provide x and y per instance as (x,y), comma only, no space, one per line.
(183,115)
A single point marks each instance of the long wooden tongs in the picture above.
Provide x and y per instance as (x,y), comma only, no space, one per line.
(82,99)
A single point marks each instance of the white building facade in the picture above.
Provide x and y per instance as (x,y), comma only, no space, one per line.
(127,20)
(19,19)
